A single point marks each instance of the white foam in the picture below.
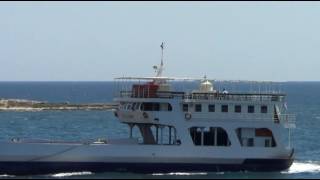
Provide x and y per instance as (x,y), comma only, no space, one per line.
(62,175)
(6,176)
(303,167)
(180,174)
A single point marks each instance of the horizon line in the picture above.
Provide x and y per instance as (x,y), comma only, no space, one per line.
(8,81)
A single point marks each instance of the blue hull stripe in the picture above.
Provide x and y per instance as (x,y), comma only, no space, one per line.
(32,168)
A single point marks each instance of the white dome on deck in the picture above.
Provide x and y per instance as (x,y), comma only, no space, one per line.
(206,86)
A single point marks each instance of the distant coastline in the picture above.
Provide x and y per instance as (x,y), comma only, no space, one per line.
(30,105)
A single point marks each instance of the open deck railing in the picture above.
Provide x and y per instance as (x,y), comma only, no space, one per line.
(210,96)
(289,120)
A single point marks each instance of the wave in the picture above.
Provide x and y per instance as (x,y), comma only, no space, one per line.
(62,175)
(180,174)
(303,167)
(6,176)
(296,168)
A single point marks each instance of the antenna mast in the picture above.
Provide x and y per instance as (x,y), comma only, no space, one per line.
(160,69)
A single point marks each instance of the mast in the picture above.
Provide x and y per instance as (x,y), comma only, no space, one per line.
(160,69)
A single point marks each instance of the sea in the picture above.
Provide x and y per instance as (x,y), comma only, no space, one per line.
(303,99)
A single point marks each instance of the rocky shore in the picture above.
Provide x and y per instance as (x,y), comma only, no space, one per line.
(29,105)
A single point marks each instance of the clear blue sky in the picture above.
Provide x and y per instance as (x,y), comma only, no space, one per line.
(97,41)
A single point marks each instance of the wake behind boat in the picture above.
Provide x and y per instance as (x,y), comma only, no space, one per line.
(198,131)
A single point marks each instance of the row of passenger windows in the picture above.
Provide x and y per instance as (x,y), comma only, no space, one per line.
(225,108)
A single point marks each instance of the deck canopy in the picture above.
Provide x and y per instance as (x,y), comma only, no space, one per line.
(192,79)
(157,78)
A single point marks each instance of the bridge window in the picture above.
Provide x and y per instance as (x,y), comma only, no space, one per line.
(156,107)
(213,136)
(237,109)
(185,107)
(211,107)
(250,109)
(224,108)
(198,107)
(150,107)
(264,109)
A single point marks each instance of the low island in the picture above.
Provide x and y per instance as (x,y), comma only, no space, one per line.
(31,105)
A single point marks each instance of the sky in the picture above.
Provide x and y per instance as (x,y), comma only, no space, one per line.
(99,41)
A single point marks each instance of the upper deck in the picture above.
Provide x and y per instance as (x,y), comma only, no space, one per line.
(209,96)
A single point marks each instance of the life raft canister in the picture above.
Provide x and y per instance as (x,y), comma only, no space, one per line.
(188,116)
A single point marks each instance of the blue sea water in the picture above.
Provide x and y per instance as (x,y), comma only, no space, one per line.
(303,99)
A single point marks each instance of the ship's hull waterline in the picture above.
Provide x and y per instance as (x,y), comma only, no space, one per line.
(28,168)
(48,158)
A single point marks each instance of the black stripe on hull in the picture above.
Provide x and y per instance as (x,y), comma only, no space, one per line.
(33,168)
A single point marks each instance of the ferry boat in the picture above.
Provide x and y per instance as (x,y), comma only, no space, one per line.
(201,130)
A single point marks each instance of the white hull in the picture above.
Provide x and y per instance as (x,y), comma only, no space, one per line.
(88,156)
(132,153)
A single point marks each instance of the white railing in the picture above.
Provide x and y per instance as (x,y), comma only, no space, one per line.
(289,120)
(208,96)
